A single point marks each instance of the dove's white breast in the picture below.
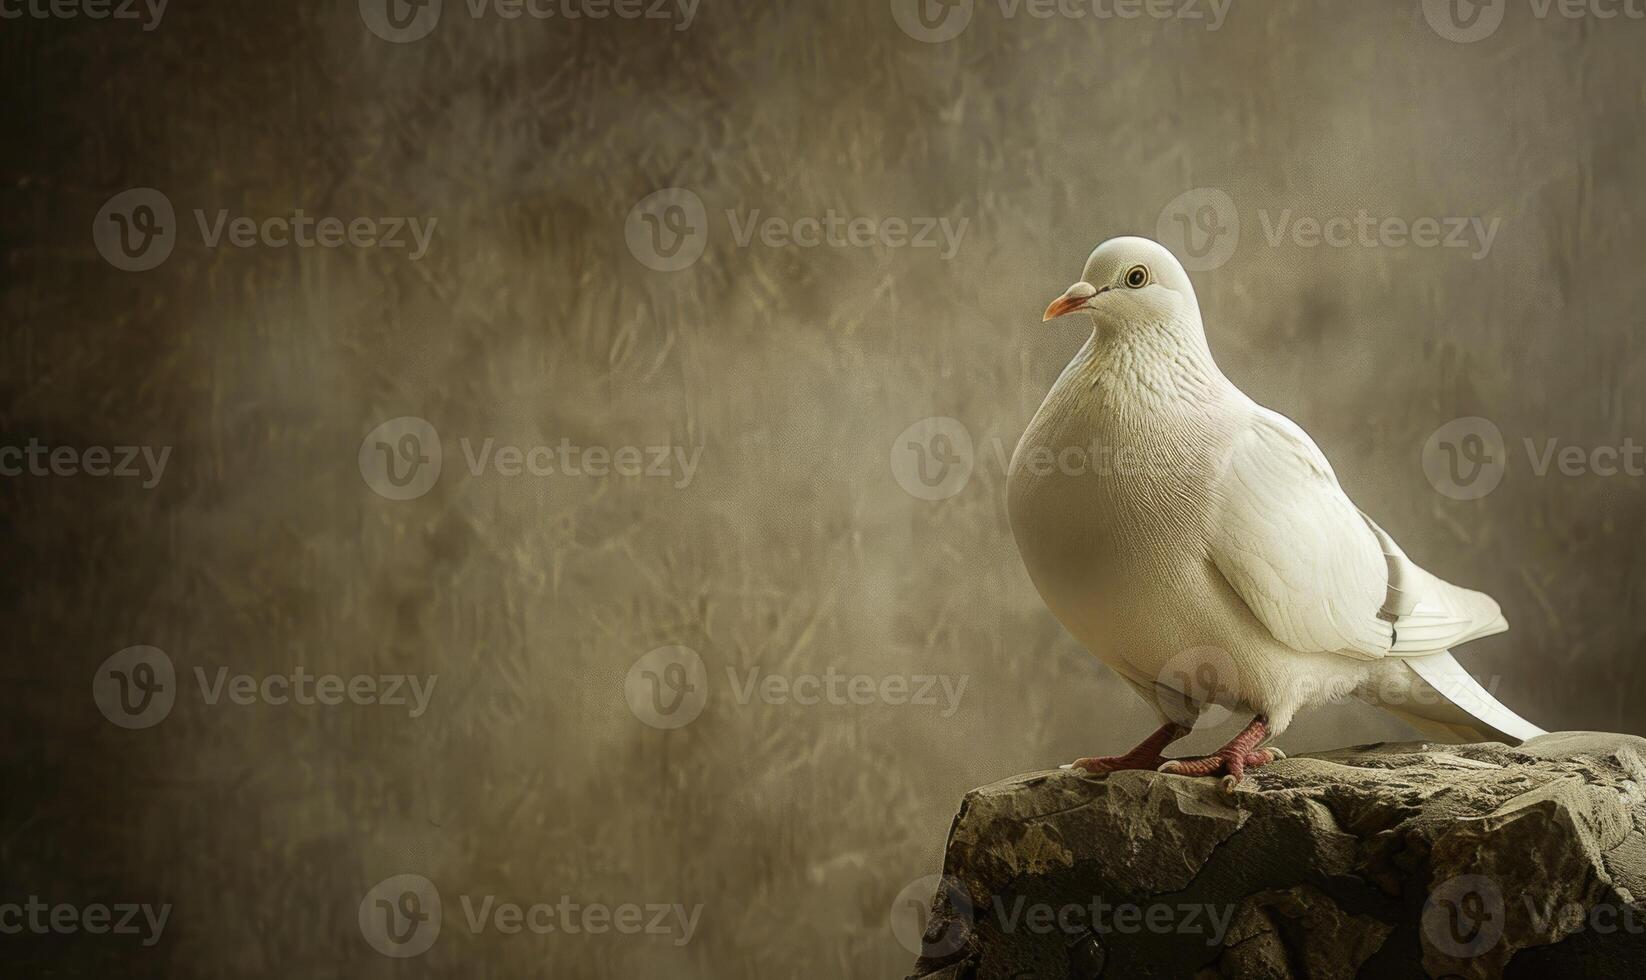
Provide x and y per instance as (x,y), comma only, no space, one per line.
(1119,548)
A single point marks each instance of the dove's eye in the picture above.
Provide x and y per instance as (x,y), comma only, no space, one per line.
(1137,277)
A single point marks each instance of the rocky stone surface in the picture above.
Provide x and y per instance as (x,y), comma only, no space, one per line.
(1387,860)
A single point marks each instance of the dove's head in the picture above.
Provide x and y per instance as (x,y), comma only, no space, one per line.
(1129,280)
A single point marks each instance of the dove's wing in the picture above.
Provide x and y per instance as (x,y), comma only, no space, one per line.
(1294,546)
(1322,576)
(1431,615)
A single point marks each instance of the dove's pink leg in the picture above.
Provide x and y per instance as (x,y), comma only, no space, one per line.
(1233,759)
(1145,756)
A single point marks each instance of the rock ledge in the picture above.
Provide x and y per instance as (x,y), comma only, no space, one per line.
(1394,859)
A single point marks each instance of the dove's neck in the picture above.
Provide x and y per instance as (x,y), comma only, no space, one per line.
(1158,364)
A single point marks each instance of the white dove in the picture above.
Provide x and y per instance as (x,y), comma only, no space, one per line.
(1200,545)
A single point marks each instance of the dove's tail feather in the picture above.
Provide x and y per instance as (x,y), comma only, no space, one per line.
(1445,702)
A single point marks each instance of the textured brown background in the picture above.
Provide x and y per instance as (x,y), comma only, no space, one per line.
(793,548)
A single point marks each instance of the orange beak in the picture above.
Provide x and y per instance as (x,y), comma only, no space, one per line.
(1073,298)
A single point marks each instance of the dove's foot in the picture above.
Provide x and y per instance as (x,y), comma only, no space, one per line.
(1118,763)
(1145,756)
(1221,764)
(1232,760)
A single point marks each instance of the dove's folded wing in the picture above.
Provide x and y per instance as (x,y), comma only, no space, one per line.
(1295,548)
(1322,576)
(1430,614)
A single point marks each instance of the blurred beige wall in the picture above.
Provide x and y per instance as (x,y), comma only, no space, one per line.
(542,311)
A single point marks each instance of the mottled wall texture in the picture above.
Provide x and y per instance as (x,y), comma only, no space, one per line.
(1399,217)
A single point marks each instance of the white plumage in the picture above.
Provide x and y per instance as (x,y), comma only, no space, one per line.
(1202,521)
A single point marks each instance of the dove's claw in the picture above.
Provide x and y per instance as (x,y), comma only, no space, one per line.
(1145,756)
(1232,760)
(1231,766)
(1210,765)
(1117,763)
